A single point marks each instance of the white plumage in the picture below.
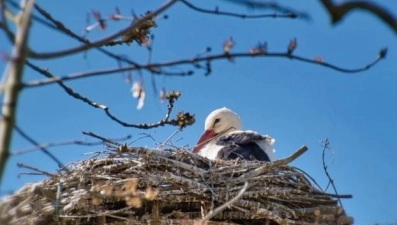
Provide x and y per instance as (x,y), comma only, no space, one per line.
(224,139)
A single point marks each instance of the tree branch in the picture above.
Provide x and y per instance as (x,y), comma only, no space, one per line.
(291,15)
(210,58)
(13,76)
(338,12)
(84,47)
(273,5)
(59,26)
(182,119)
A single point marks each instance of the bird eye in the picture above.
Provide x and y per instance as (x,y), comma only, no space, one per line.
(217,121)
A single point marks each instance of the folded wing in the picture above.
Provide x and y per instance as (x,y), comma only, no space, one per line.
(246,145)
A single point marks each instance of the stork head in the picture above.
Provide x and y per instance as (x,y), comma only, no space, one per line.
(218,122)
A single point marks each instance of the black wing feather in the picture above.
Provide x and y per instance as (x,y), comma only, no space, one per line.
(243,146)
(240,138)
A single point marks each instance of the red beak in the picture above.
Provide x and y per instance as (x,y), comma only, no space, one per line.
(205,137)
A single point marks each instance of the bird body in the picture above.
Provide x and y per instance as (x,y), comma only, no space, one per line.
(224,139)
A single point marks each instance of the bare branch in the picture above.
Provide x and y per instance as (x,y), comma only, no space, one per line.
(13,77)
(78,49)
(273,5)
(290,15)
(37,144)
(195,62)
(60,27)
(182,120)
(325,167)
(81,142)
(338,12)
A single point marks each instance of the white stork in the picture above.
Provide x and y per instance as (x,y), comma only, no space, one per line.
(224,139)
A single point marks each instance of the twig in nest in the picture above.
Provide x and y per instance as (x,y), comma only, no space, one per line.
(106,140)
(271,165)
(63,143)
(168,139)
(325,167)
(219,209)
(39,172)
(310,177)
(144,135)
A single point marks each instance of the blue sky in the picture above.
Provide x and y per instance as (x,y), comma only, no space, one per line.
(296,103)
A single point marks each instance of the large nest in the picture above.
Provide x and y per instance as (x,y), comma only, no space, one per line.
(146,186)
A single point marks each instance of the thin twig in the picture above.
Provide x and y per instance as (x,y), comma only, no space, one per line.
(325,167)
(271,165)
(310,177)
(168,139)
(290,15)
(106,140)
(82,142)
(273,5)
(195,62)
(37,145)
(21,165)
(144,135)
(220,208)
